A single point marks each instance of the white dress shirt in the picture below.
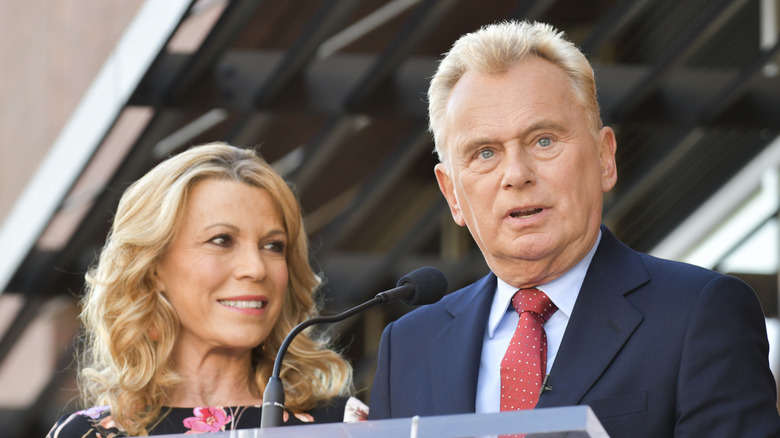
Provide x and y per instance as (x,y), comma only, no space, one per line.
(503,320)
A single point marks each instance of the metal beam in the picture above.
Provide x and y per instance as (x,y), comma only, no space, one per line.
(393,169)
(329,17)
(614,22)
(424,21)
(329,82)
(697,32)
(230,23)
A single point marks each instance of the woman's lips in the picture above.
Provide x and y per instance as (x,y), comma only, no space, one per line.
(244,304)
(250,304)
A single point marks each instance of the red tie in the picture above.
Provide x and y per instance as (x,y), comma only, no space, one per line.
(525,362)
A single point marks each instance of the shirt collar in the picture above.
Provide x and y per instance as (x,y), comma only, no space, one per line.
(563,291)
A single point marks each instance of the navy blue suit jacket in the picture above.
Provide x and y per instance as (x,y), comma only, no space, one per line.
(656,348)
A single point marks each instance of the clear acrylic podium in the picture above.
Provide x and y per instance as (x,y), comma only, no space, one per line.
(563,422)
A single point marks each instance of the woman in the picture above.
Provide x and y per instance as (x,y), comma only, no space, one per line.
(203,274)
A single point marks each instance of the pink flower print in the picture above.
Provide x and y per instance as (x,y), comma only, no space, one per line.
(304,417)
(207,420)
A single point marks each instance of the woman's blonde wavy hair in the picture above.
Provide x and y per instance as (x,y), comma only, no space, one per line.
(498,47)
(130,327)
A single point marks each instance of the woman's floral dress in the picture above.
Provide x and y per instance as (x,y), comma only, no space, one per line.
(97,422)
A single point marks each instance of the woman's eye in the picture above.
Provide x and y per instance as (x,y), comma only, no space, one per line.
(275,246)
(544,142)
(221,240)
(486,153)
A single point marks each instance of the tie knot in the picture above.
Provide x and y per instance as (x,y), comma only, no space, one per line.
(534,301)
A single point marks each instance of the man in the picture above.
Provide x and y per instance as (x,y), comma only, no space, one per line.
(656,348)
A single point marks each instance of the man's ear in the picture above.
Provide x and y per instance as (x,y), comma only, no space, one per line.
(607,150)
(448,190)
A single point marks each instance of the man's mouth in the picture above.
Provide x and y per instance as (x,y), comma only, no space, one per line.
(525,213)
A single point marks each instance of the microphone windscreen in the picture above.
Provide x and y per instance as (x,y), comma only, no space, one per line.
(429,283)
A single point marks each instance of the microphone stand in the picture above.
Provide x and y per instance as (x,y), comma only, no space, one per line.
(273,396)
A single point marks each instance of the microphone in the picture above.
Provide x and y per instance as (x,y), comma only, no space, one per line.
(424,285)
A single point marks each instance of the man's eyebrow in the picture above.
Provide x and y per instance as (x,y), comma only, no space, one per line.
(469,147)
(478,142)
(541,125)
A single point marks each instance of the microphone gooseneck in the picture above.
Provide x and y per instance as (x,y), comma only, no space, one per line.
(273,397)
(422,286)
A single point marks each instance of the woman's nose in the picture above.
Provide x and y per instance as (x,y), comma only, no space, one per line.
(250,263)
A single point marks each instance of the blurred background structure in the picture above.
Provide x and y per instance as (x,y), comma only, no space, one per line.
(94,93)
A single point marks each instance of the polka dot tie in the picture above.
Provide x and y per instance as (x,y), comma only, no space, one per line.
(525,362)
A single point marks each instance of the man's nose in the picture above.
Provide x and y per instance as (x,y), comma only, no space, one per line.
(518,169)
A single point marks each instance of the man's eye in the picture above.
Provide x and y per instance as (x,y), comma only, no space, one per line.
(486,153)
(544,142)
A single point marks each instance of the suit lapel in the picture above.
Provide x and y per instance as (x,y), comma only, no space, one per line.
(601,322)
(454,355)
